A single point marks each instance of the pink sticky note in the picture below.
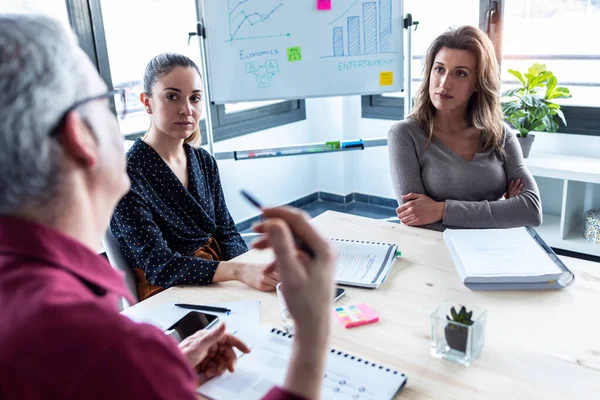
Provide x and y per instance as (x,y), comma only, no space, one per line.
(323,4)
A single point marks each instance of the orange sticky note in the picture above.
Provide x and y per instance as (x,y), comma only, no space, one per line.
(386,78)
(323,4)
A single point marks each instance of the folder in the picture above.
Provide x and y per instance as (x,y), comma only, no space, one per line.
(506,259)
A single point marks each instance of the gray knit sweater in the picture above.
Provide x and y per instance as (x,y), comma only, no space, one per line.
(473,190)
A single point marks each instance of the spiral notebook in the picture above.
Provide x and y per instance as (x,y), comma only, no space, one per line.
(346,376)
(362,263)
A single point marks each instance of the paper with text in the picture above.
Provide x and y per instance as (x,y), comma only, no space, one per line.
(362,263)
(497,255)
(346,376)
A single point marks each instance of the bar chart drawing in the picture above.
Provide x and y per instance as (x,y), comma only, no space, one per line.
(353,36)
(338,41)
(385,25)
(370,27)
(372,36)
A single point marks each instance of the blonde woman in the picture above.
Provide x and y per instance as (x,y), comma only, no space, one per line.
(454,159)
(174,226)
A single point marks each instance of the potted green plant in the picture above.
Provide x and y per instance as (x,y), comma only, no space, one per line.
(457,334)
(529,108)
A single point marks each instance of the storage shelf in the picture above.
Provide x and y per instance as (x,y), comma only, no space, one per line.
(574,174)
(564,166)
(550,232)
(578,243)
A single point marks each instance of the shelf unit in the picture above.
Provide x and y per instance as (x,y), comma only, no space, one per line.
(577,178)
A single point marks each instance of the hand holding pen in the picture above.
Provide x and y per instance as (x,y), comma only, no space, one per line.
(299,243)
(308,287)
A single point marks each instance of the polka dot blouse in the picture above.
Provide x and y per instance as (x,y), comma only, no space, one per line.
(160,223)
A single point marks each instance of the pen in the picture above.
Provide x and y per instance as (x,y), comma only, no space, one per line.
(302,246)
(204,308)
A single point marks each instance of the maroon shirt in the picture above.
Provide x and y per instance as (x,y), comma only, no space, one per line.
(61,335)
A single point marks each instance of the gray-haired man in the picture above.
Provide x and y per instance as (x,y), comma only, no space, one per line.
(62,170)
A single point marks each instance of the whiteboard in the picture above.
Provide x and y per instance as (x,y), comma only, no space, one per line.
(288,49)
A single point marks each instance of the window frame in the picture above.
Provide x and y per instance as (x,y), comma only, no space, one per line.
(85,17)
(581,120)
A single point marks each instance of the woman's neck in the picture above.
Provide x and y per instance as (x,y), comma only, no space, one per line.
(451,121)
(168,148)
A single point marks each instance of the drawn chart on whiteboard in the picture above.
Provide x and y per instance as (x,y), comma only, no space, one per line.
(250,20)
(364,28)
(288,49)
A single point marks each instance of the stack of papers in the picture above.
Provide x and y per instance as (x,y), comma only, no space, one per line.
(362,263)
(501,256)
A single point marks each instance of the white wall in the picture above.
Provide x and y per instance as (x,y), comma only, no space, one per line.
(273,181)
(366,171)
(284,179)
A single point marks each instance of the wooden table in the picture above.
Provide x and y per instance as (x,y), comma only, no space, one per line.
(538,344)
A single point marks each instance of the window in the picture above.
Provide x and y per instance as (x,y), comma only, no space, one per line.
(562,35)
(53,8)
(135,32)
(431,24)
(558,33)
(125,35)
(244,106)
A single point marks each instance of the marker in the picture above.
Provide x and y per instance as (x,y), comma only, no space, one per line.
(302,246)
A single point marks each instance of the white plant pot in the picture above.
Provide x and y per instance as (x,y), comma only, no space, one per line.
(526,143)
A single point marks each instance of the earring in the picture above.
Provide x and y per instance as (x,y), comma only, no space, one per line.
(149,110)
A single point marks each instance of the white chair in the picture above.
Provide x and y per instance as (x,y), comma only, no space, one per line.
(119,262)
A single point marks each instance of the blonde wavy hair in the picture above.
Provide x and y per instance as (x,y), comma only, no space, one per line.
(484,111)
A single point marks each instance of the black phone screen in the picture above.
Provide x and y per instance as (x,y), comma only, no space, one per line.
(190,323)
(339,292)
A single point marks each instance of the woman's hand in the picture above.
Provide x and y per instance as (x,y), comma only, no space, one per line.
(420,209)
(260,276)
(514,188)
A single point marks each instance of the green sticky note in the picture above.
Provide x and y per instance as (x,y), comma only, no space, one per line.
(332,145)
(294,54)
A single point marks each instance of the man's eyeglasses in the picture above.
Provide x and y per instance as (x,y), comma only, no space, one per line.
(120,101)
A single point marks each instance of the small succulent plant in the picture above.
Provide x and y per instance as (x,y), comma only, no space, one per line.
(462,316)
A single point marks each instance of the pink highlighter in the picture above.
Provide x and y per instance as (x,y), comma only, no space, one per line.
(355,315)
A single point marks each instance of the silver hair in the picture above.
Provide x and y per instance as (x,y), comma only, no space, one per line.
(41,76)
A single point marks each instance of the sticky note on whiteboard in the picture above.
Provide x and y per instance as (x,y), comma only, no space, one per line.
(386,78)
(323,4)
(294,53)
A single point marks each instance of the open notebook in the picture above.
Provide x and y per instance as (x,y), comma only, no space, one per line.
(362,263)
(346,376)
(514,258)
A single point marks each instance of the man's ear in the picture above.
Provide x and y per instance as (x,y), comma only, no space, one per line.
(78,141)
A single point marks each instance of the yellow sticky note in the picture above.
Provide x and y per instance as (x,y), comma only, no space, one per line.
(294,54)
(386,78)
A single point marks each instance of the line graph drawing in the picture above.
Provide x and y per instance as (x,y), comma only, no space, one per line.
(376,29)
(243,18)
(344,13)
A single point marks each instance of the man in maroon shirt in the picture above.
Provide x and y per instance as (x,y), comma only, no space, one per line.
(62,170)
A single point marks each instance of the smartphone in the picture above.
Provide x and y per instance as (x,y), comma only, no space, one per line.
(339,292)
(190,323)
